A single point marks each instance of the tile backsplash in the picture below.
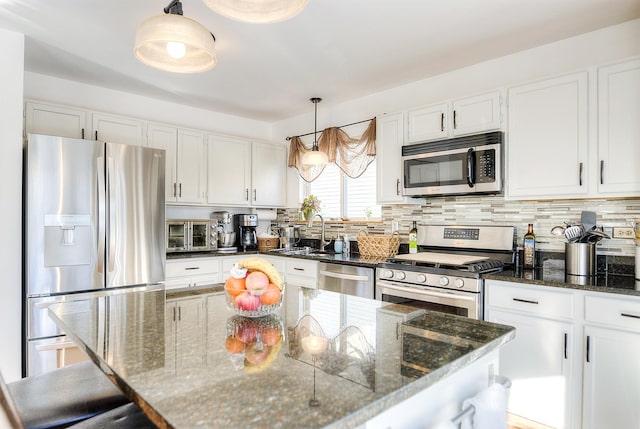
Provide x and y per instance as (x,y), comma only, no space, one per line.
(492,210)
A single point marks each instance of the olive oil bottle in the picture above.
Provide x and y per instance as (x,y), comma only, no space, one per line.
(529,248)
(413,238)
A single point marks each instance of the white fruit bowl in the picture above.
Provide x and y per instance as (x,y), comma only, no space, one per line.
(261,310)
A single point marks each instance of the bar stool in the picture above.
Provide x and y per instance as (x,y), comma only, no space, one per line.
(124,417)
(62,397)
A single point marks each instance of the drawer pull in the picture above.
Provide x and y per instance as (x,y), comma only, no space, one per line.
(192,268)
(526,301)
(298,269)
(633,316)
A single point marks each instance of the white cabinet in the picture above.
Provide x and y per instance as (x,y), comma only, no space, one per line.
(117,129)
(611,362)
(301,272)
(229,179)
(245,173)
(619,129)
(454,118)
(186,162)
(49,119)
(540,362)
(189,272)
(389,138)
(547,147)
(185,318)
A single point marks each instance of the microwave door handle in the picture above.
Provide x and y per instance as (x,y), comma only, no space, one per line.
(470,167)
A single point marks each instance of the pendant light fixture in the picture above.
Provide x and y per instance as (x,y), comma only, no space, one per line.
(257,11)
(175,43)
(315,156)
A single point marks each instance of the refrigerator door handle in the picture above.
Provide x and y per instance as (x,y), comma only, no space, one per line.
(101,213)
(112,215)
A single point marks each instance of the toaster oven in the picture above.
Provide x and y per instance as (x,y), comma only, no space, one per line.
(186,235)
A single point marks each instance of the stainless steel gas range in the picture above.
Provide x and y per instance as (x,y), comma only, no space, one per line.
(446,274)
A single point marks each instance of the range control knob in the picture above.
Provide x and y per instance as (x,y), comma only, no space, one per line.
(421,278)
(400,275)
(443,281)
(458,283)
(387,273)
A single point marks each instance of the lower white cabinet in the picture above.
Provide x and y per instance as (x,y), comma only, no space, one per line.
(301,272)
(184,320)
(574,362)
(189,272)
(540,361)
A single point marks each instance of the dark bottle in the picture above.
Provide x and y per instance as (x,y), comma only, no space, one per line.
(413,238)
(529,248)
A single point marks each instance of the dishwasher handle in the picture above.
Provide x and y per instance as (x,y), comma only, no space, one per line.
(344,276)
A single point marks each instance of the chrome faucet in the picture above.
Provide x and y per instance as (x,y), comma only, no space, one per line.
(310,224)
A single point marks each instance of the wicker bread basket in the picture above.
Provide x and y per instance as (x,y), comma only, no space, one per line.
(378,246)
(268,243)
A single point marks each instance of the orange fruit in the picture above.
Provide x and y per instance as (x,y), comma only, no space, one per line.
(271,295)
(234,345)
(271,336)
(235,286)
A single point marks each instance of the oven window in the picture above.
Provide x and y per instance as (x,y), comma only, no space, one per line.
(431,306)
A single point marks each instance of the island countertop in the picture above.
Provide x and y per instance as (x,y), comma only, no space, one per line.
(172,355)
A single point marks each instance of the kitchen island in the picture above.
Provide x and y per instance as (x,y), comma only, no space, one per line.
(187,361)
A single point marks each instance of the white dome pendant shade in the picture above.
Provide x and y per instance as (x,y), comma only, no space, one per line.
(175,43)
(257,11)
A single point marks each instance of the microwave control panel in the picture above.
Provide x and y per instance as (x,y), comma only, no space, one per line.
(485,166)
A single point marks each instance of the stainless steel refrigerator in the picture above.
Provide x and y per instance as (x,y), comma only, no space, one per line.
(94,216)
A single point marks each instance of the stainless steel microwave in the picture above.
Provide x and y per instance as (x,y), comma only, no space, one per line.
(457,166)
(186,235)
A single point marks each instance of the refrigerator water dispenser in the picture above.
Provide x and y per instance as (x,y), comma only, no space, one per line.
(67,240)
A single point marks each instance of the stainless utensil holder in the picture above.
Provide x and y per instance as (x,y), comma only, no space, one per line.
(580,259)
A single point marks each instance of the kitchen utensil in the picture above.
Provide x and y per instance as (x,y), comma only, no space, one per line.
(594,236)
(574,233)
(588,220)
(558,230)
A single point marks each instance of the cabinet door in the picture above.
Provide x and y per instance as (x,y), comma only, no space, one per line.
(55,120)
(268,174)
(116,129)
(389,137)
(539,363)
(611,391)
(165,137)
(477,114)
(191,319)
(619,129)
(547,139)
(191,167)
(427,123)
(229,176)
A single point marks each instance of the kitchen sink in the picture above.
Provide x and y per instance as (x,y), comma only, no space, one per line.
(307,251)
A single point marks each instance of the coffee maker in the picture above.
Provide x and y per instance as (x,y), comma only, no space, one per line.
(246,225)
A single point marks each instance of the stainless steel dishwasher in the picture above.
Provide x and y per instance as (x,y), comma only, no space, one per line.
(348,279)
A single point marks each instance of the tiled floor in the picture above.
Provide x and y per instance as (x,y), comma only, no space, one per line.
(517,422)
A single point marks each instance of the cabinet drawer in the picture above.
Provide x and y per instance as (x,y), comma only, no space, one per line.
(192,267)
(301,268)
(620,312)
(534,300)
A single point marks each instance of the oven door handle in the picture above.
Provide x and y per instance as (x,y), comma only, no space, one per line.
(430,293)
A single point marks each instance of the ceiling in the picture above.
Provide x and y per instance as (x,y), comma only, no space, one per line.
(334,49)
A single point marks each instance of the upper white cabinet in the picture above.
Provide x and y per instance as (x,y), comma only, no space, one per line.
(186,162)
(459,117)
(547,141)
(619,129)
(389,137)
(41,118)
(268,174)
(229,171)
(117,129)
(245,173)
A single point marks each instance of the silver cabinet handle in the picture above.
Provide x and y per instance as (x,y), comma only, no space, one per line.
(192,268)
(246,194)
(397,186)
(455,120)
(254,195)
(442,122)
(175,194)
(566,340)
(602,172)
(633,316)
(588,348)
(82,133)
(180,190)
(298,269)
(526,301)
(96,135)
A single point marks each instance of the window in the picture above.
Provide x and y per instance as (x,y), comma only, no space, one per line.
(343,197)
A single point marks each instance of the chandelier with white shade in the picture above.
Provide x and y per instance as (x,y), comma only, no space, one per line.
(257,11)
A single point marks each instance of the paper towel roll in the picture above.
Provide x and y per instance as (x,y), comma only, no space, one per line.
(267,214)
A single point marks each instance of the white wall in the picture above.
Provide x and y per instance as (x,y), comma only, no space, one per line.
(11,72)
(61,91)
(605,45)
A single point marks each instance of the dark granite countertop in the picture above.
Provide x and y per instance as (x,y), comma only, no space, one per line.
(184,374)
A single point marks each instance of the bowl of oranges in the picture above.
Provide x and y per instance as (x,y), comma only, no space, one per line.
(254,288)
